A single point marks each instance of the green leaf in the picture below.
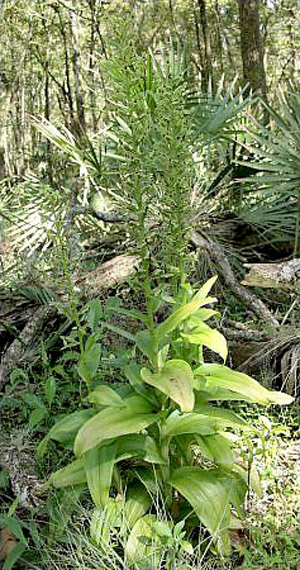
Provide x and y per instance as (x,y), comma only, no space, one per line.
(208,494)
(105,396)
(98,464)
(141,446)
(123,125)
(37,415)
(144,545)
(175,380)
(187,547)
(32,400)
(203,315)
(107,424)
(14,526)
(94,313)
(138,404)
(209,421)
(207,392)
(69,355)
(205,289)
(42,447)
(66,429)
(134,313)
(104,520)
(132,373)
(180,315)
(14,556)
(137,503)
(149,478)
(211,338)
(177,424)
(223,377)
(119,331)
(216,448)
(226,418)
(145,342)
(72,474)
(162,356)
(89,362)
(18,374)
(249,477)
(50,389)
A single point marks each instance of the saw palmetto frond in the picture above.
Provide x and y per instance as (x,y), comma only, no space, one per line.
(272,192)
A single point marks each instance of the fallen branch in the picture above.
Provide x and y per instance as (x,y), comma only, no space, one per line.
(244,334)
(249,299)
(107,217)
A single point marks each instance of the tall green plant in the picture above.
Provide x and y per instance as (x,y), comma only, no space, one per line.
(150,130)
(156,421)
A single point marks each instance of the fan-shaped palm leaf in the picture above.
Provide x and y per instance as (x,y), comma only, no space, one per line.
(272,202)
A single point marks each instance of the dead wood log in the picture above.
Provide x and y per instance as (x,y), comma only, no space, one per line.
(284,275)
(249,299)
(107,275)
(15,351)
(17,457)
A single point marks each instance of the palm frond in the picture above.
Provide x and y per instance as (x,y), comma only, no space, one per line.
(219,116)
(272,191)
(40,295)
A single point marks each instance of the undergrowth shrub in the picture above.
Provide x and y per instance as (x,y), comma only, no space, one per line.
(162,434)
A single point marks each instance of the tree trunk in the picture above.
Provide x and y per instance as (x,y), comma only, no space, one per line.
(251,47)
(206,57)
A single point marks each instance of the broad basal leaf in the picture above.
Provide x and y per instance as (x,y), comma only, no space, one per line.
(216,448)
(175,380)
(138,501)
(178,424)
(226,418)
(66,429)
(208,494)
(138,404)
(223,377)
(72,474)
(98,464)
(139,446)
(110,423)
(209,421)
(205,391)
(105,396)
(213,339)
